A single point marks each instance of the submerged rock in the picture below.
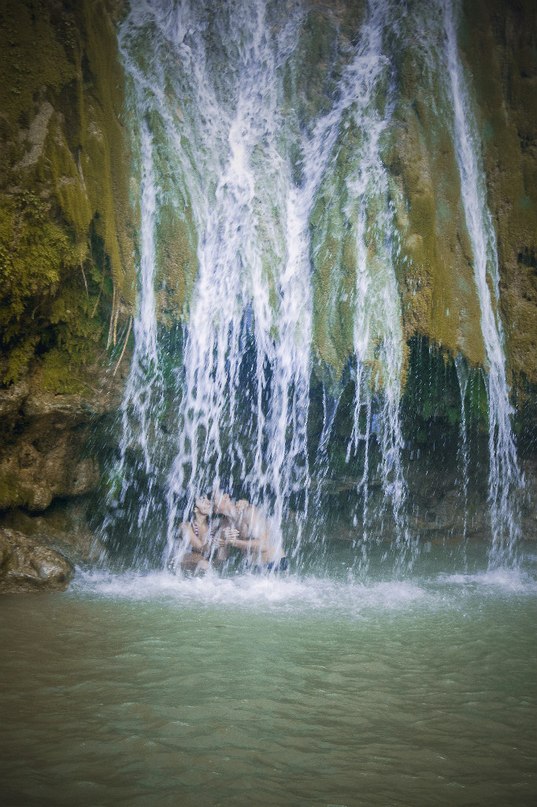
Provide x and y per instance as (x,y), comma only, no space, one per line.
(26,565)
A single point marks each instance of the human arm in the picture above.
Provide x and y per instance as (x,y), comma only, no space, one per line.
(190,538)
(245,545)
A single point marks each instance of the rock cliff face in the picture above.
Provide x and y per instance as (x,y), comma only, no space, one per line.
(67,222)
(66,251)
(66,247)
(43,455)
(66,219)
(48,474)
(436,284)
(503,56)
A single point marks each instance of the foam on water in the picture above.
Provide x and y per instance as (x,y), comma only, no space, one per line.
(502,580)
(289,593)
(309,595)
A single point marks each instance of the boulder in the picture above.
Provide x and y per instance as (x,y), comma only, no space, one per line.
(26,565)
(44,463)
(62,527)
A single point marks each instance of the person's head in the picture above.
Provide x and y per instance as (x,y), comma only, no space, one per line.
(223,504)
(203,506)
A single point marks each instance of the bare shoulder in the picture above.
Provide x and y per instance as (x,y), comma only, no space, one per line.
(185,530)
(258,522)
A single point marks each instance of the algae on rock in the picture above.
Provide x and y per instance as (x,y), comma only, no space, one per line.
(66,241)
(499,43)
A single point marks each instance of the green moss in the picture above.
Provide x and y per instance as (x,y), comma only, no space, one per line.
(439,295)
(432,402)
(46,298)
(69,184)
(314,81)
(502,59)
(66,247)
(33,55)
(176,241)
(57,373)
(18,360)
(177,262)
(105,155)
(32,250)
(10,492)
(66,228)
(334,260)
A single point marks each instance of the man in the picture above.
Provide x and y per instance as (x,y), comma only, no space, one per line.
(250,531)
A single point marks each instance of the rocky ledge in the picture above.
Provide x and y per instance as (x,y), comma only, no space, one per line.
(26,565)
(43,455)
(49,473)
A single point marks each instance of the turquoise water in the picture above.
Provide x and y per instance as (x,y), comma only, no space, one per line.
(307,690)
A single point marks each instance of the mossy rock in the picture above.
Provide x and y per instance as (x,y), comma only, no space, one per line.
(66,246)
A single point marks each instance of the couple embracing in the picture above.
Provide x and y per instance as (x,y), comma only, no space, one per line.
(219,525)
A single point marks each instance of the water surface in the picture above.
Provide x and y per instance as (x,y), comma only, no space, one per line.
(305,690)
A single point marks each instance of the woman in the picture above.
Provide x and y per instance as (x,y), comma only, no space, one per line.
(199,538)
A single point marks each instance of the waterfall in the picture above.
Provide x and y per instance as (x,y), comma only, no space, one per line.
(280,184)
(237,405)
(142,400)
(378,340)
(232,146)
(504,474)
(464,452)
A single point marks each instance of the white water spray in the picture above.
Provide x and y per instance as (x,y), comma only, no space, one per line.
(243,391)
(378,338)
(225,134)
(234,428)
(143,395)
(505,478)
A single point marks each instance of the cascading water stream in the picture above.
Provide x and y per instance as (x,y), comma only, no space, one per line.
(231,303)
(244,386)
(505,478)
(143,395)
(378,340)
(232,298)
(464,453)
(253,168)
